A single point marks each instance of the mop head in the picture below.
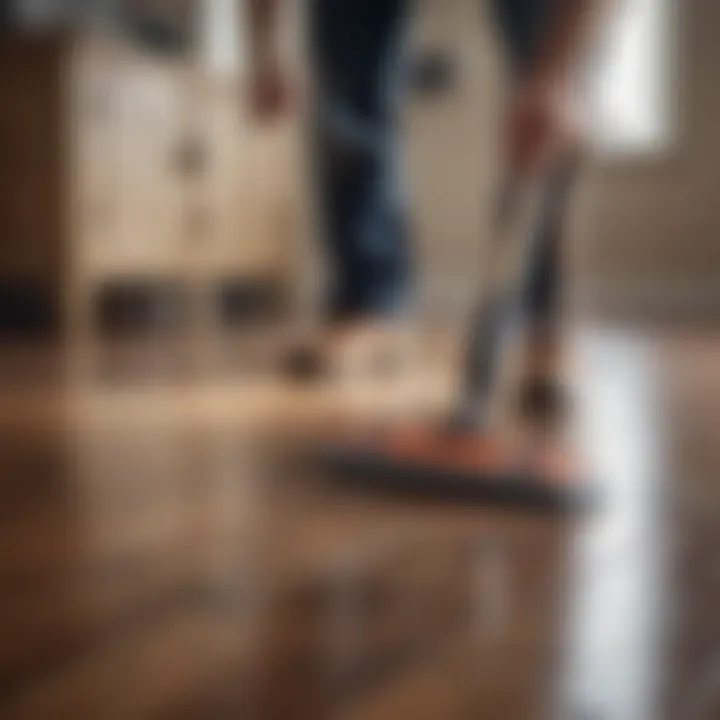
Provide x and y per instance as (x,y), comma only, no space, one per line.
(472,466)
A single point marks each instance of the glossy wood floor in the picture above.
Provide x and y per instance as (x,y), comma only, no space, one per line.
(162,554)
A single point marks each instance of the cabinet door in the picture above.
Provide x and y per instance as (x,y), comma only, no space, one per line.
(94,126)
(150,189)
(216,213)
(250,189)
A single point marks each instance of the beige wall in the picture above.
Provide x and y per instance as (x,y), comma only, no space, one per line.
(655,225)
(650,226)
(452,153)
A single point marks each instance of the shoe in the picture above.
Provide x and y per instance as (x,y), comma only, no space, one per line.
(306,363)
(544,399)
(358,350)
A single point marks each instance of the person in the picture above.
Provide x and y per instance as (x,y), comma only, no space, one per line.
(358,61)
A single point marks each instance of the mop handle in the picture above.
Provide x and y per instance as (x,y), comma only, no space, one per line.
(513,221)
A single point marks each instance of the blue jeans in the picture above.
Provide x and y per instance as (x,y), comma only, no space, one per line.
(358,53)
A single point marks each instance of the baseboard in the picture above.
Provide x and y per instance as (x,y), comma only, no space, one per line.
(655,301)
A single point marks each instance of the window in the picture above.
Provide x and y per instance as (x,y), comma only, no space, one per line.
(632,104)
(220,37)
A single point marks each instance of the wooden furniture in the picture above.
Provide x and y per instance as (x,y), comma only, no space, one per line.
(120,171)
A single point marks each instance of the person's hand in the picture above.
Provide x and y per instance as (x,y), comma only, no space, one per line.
(270,91)
(542,122)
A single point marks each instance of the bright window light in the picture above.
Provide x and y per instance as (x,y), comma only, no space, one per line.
(631,103)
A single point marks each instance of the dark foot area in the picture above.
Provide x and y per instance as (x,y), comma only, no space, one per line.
(544,400)
(311,362)
(306,363)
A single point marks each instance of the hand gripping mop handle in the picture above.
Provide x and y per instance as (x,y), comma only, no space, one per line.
(505,267)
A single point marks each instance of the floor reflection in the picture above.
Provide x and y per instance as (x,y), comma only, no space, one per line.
(163,556)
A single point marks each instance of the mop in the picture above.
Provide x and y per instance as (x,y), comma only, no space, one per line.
(467,457)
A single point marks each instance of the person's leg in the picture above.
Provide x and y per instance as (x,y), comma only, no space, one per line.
(357,49)
(542,292)
(522,25)
(356,54)
(542,391)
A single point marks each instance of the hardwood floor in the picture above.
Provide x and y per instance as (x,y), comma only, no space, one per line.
(164,555)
